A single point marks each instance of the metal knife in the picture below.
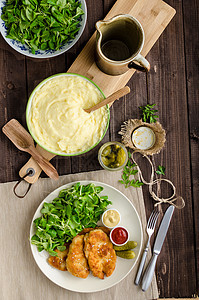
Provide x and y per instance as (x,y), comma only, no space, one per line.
(164,226)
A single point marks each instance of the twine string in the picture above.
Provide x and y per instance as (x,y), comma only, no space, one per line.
(158,181)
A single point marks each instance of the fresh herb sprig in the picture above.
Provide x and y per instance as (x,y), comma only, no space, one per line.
(73,210)
(160,170)
(42,24)
(129,170)
(148,113)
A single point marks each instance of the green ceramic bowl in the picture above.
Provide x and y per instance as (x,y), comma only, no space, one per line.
(28,108)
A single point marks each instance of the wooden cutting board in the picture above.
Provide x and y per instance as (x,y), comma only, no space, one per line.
(154,15)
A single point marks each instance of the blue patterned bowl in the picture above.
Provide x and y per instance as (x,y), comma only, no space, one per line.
(25,50)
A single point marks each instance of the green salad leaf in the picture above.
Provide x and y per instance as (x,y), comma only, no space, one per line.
(76,208)
(42,24)
(128,170)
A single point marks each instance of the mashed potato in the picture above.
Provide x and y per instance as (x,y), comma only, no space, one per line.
(57,119)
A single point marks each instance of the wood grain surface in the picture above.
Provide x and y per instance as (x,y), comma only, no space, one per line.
(154,18)
(173,86)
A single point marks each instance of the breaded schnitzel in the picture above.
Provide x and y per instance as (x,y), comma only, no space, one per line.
(87,230)
(91,244)
(99,252)
(76,262)
(59,261)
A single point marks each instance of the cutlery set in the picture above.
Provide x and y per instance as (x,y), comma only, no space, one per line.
(164,226)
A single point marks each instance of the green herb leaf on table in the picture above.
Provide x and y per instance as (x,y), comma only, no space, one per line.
(42,24)
(148,113)
(136,183)
(160,170)
(129,170)
(76,208)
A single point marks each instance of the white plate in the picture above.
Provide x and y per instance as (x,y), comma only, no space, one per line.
(25,50)
(129,218)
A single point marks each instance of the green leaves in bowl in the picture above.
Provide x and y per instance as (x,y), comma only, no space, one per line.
(76,208)
(42,24)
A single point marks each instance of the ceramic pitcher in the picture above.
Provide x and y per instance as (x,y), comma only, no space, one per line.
(119,42)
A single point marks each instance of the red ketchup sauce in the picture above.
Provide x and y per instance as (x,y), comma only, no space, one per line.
(119,235)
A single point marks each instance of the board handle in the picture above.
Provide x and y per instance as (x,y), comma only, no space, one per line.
(33,166)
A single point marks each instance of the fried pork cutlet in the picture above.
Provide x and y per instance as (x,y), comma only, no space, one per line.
(99,251)
(59,261)
(86,230)
(76,262)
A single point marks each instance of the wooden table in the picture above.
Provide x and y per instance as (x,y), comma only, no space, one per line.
(173,81)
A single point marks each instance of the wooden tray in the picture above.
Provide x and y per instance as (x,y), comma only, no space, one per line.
(154,15)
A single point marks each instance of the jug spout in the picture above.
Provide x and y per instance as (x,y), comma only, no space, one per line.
(99,25)
(102,23)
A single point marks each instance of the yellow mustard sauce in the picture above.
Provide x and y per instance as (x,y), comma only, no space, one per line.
(111,218)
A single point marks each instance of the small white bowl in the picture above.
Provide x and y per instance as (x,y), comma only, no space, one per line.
(115,229)
(104,214)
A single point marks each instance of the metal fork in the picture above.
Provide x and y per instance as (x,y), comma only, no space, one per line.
(150,230)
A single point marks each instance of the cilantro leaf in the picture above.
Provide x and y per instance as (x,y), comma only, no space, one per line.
(129,170)
(148,113)
(160,170)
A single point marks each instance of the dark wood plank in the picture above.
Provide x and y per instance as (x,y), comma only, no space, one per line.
(190,12)
(13,103)
(168,89)
(173,86)
(107,5)
(167,82)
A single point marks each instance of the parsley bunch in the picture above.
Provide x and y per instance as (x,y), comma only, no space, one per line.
(148,113)
(42,24)
(129,170)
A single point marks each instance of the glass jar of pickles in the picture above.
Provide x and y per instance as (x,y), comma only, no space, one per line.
(113,156)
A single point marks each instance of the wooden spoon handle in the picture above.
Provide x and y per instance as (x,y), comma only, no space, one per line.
(45,165)
(33,165)
(118,94)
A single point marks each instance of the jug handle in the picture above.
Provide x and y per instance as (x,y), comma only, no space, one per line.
(143,66)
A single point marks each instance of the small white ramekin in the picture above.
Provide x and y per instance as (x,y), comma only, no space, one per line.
(115,242)
(104,214)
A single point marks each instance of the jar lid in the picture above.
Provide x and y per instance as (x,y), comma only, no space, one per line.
(143,138)
(132,126)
